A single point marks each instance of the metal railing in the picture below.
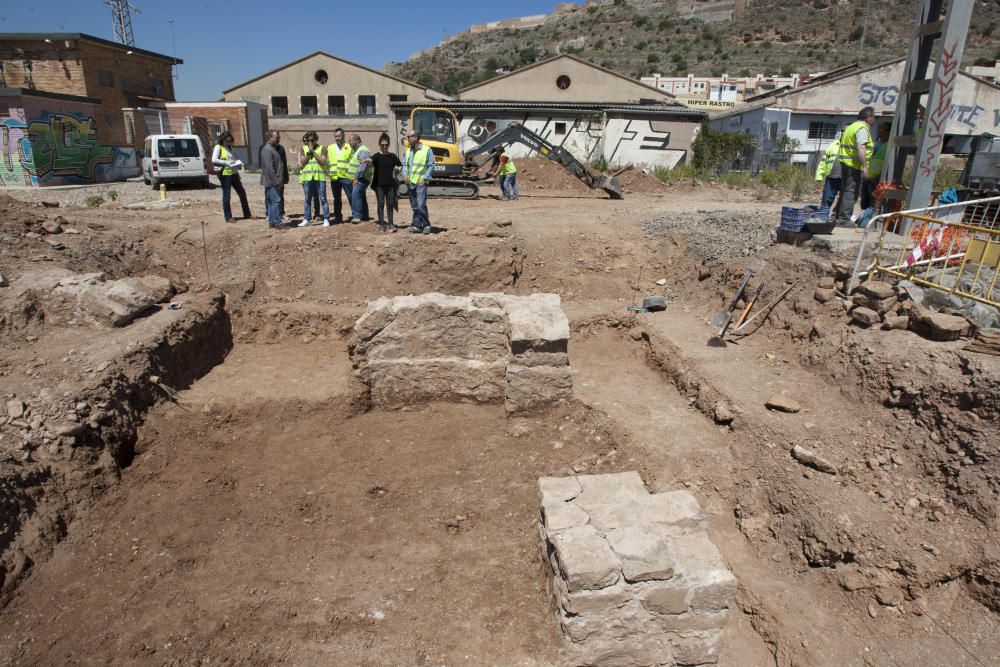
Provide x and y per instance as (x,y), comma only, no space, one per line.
(953,248)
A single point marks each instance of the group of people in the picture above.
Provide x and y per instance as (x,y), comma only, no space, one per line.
(349,166)
(852,166)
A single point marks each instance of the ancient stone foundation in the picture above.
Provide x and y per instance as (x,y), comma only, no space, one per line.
(635,577)
(484,348)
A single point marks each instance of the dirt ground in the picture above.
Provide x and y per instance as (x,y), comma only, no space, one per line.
(269,517)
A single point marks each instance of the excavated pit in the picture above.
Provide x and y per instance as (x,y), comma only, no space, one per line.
(273,517)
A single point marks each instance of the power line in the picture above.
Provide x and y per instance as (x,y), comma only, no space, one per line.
(121,17)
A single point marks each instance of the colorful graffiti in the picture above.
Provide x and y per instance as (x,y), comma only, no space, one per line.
(54,148)
(15,147)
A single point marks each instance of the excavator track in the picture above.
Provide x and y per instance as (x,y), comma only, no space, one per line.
(452,188)
(447,188)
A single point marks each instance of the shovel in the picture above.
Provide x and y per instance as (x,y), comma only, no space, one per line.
(746,311)
(723,317)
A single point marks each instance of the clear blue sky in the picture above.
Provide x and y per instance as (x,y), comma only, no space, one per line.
(226,42)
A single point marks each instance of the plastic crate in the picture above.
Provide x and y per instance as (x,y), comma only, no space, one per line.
(794,219)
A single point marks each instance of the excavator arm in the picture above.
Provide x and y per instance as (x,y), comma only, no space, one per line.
(515,132)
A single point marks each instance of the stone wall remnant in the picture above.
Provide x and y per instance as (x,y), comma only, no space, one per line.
(483,348)
(636,579)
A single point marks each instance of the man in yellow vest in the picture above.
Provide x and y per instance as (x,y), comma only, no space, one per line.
(361,176)
(828,172)
(312,176)
(875,163)
(507,171)
(339,153)
(853,163)
(418,167)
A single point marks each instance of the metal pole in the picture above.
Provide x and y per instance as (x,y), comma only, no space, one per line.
(173,46)
(946,71)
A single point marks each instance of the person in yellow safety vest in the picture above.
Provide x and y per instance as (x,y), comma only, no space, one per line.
(224,157)
(339,153)
(828,171)
(418,167)
(505,167)
(361,177)
(312,176)
(876,160)
(853,160)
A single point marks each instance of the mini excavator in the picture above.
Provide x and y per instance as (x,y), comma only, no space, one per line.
(455,170)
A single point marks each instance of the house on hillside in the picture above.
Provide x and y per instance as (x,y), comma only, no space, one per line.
(814,115)
(321,92)
(595,113)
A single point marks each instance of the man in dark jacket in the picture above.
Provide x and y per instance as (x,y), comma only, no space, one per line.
(273,176)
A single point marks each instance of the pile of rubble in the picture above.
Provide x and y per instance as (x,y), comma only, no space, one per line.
(877,303)
(636,579)
(79,298)
(483,348)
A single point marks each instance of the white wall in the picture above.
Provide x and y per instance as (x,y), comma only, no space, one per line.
(621,141)
(649,143)
(798,129)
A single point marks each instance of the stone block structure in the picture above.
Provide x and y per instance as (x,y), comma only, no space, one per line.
(483,348)
(636,579)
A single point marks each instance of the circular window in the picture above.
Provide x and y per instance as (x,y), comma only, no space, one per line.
(321,77)
(562,82)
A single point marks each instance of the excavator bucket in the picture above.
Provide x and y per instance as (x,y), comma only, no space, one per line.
(610,185)
(597,179)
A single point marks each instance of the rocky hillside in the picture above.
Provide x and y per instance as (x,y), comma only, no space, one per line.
(637,39)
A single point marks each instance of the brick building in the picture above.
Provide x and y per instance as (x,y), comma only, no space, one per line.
(86,66)
(247,121)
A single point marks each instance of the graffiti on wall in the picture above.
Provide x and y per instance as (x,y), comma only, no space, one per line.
(945,77)
(15,149)
(53,148)
(968,115)
(872,94)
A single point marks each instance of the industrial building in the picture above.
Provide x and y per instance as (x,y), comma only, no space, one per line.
(595,113)
(812,116)
(85,66)
(61,99)
(592,111)
(564,78)
(321,92)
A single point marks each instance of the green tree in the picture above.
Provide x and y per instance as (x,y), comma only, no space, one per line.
(715,151)
(653,58)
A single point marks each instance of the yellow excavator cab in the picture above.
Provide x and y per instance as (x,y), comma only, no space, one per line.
(438,128)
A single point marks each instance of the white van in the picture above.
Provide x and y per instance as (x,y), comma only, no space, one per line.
(174,158)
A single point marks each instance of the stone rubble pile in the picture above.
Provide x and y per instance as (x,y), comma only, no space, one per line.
(636,579)
(880,304)
(483,348)
(82,297)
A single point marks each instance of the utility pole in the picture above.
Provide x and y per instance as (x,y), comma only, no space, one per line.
(173,47)
(864,32)
(121,17)
(942,26)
